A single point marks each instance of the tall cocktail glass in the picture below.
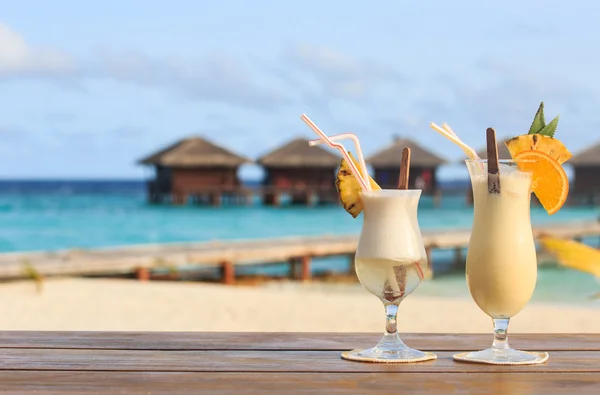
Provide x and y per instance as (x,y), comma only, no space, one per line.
(501,260)
(390,263)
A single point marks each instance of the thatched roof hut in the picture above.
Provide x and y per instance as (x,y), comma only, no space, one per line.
(423,165)
(194,152)
(588,157)
(303,171)
(586,165)
(390,156)
(297,153)
(193,167)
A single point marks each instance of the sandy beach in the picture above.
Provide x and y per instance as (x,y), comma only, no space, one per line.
(109,304)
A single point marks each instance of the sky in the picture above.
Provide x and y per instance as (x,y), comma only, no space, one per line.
(88,88)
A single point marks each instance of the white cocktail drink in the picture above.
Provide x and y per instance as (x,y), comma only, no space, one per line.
(390,257)
(388,279)
(390,263)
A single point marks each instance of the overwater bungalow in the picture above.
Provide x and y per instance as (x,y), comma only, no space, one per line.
(194,168)
(423,167)
(586,167)
(306,174)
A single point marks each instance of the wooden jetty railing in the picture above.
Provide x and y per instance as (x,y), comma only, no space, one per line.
(226,255)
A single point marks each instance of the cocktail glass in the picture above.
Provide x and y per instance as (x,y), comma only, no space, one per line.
(501,260)
(390,263)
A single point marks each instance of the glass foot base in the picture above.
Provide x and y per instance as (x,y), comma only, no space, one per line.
(376,354)
(503,357)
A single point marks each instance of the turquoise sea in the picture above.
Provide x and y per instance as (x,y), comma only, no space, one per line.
(52,215)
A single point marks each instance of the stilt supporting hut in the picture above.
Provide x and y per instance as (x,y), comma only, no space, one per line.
(194,168)
(586,168)
(305,174)
(423,167)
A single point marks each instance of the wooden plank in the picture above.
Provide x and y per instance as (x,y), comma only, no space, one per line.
(282,341)
(265,361)
(126,259)
(24,382)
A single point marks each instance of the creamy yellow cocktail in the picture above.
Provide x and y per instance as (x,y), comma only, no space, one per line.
(501,265)
(501,259)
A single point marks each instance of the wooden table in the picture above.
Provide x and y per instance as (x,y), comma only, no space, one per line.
(251,363)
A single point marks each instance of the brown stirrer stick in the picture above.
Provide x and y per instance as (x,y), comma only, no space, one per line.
(493,167)
(404,169)
(400,271)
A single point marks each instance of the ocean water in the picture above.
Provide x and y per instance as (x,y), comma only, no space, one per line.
(54,215)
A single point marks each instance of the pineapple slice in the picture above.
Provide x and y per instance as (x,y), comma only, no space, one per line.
(349,188)
(538,142)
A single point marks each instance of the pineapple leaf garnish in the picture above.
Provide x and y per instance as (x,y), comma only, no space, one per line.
(538,126)
(550,129)
(538,122)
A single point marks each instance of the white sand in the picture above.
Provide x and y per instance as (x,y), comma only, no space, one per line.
(99,304)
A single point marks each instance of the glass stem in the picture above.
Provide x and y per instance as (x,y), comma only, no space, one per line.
(391,325)
(391,340)
(500,334)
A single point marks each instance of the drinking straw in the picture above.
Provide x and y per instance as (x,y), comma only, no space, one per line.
(450,135)
(362,179)
(403,184)
(354,138)
(448,129)
(420,271)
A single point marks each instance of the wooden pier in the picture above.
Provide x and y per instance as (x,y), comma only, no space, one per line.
(144,260)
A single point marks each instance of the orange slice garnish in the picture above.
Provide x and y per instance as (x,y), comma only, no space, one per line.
(549,180)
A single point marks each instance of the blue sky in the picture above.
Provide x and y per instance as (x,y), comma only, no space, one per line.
(87,88)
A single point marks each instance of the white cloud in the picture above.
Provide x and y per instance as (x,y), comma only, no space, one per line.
(513,94)
(213,78)
(543,30)
(307,73)
(216,78)
(17,58)
(11,134)
(323,74)
(506,96)
(17,144)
